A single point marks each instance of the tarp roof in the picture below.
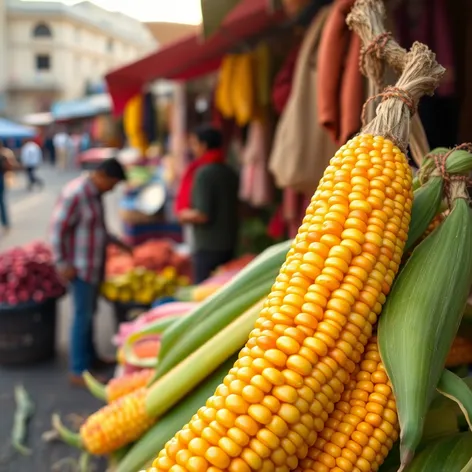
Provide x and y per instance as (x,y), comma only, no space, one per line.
(11,130)
(81,108)
(192,56)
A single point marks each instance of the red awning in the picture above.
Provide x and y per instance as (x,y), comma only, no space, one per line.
(191,57)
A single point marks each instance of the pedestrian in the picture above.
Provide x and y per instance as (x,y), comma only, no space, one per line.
(208,201)
(7,163)
(79,239)
(61,141)
(50,150)
(31,158)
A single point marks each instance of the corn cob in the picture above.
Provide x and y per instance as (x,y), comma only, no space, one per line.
(116,424)
(460,353)
(121,386)
(118,387)
(319,315)
(315,322)
(143,450)
(363,427)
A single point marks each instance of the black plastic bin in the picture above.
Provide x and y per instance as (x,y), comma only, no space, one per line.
(28,333)
(128,311)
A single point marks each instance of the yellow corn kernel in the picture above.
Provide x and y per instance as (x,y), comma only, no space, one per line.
(117,424)
(364,443)
(317,320)
(121,386)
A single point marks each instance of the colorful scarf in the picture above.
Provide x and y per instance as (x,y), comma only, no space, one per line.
(184,196)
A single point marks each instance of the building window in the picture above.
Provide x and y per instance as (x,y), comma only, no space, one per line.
(42,30)
(110,45)
(43,62)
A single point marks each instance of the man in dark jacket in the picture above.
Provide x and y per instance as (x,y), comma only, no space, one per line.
(208,200)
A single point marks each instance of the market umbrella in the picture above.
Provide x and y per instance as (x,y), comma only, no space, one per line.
(11,130)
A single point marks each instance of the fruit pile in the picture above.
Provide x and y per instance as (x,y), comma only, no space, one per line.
(27,274)
(154,255)
(142,286)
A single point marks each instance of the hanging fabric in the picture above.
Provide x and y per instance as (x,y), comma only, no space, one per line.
(242,89)
(255,182)
(301,149)
(223,97)
(149,120)
(283,80)
(340,84)
(263,74)
(133,126)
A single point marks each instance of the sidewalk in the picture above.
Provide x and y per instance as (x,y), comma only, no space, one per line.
(47,383)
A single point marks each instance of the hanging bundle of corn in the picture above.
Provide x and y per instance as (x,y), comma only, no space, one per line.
(274,402)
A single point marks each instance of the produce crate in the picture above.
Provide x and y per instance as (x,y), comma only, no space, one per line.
(27,333)
(128,311)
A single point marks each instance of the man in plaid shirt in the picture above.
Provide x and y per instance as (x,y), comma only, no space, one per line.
(79,238)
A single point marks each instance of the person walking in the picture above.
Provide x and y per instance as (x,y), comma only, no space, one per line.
(208,201)
(31,158)
(79,239)
(61,141)
(7,163)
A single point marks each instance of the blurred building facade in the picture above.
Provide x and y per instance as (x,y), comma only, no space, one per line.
(50,51)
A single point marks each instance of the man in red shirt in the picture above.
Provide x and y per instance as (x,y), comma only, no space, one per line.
(79,239)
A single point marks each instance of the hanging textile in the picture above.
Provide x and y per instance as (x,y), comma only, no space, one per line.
(301,149)
(283,80)
(149,117)
(133,125)
(255,183)
(263,74)
(223,97)
(235,94)
(242,89)
(339,82)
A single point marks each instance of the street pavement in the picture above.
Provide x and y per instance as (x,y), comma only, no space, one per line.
(47,383)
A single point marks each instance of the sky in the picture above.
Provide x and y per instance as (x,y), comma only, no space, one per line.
(179,11)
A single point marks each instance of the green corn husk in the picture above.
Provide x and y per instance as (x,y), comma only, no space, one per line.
(155,439)
(458,162)
(449,454)
(444,419)
(422,315)
(428,164)
(426,205)
(267,263)
(191,340)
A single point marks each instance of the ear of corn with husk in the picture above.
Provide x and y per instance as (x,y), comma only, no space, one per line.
(422,316)
(316,321)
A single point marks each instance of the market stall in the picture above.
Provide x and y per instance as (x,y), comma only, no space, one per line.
(338,365)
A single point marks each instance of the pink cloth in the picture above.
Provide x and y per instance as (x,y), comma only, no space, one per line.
(255,186)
